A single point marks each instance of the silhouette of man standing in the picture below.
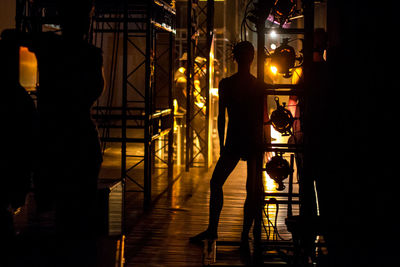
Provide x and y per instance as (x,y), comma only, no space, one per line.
(18,134)
(70,81)
(242,96)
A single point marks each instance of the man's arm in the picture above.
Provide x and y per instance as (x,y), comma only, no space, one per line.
(221,115)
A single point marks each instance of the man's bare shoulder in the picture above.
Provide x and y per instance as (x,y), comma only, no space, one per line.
(225,80)
(224,83)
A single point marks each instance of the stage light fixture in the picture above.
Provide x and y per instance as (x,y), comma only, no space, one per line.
(282,10)
(276,11)
(278,170)
(281,119)
(273,69)
(284,58)
(260,12)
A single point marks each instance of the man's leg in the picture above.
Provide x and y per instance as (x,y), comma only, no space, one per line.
(255,189)
(223,169)
(225,165)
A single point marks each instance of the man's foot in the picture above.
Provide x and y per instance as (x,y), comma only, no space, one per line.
(199,238)
(244,242)
(245,237)
(244,252)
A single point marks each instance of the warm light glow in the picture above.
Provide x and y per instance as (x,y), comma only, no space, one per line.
(175,103)
(214,91)
(273,46)
(269,184)
(199,104)
(273,34)
(196,84)
(273,69)
(181,80)
(277,136)
(297,73)
(182,70)
(211,66)
(28,69)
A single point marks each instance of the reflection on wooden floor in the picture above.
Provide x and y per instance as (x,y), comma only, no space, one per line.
(160,236)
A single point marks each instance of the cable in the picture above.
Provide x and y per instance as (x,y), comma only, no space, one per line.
(274,226)
(244,23)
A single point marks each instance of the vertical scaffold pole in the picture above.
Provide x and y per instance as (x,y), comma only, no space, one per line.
(189,75)
(124,108)
(148,108)
(171,106)
(262,15)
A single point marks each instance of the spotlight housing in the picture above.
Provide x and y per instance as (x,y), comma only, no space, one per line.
(281,119)
(282,10)
(278,170)
(284,58)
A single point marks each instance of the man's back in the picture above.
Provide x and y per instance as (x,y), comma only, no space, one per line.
(242,95)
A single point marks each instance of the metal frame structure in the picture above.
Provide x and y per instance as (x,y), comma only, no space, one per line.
(199,38)
(145,103)
(305,197)
(144,96)
(289,251)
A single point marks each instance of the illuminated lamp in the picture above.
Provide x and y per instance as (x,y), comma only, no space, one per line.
(175,104)
(28,69)
(278,170)
(282,10)
(182,70)
(281,119)
(274,70)
(284,58)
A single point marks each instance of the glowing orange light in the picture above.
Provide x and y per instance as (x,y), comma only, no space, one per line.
(175,103)
(269,184)
(297,75)
(28,69)
(273,69)
(181,80)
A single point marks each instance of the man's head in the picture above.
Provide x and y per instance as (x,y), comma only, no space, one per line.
(75,16)
(243,52)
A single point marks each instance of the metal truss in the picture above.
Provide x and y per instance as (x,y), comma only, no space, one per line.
(293,255)
(138,97)
(145,98)
(199,39)
(222,49)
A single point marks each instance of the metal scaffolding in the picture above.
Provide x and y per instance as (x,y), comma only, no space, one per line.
(144,99)
(137,105)
(298,200)
(291,251)
(199,36)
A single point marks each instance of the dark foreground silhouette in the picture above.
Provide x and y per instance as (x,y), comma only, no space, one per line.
(242,96)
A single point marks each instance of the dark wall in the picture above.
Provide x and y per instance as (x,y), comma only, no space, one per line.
(7,14)
(358,171)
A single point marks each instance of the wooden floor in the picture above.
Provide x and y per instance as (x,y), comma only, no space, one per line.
(160,236)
